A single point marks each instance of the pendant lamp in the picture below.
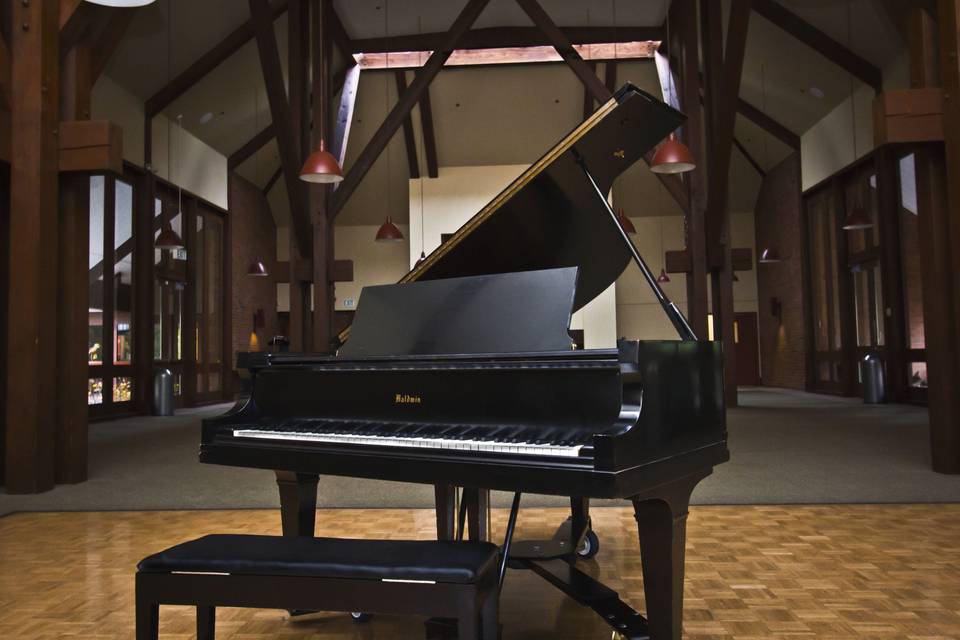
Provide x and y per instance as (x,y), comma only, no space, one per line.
(625,223)
(663,277)
(168,239)
(257,269)
(673,157)
(389,232)
(122,3)
(321,167)
(422,258)
(769,256)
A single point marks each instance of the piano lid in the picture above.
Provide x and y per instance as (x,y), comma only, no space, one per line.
(551,216)
(499,313)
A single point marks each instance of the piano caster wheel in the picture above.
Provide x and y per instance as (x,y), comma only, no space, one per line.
(590,546)
(359,617)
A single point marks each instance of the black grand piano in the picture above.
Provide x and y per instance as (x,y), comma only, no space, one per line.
(462,375)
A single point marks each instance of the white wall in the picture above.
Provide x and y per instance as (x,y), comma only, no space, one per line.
(200,169)
(460,192)
(827,146)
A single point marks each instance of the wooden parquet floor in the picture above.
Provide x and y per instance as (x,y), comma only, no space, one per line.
(852,572)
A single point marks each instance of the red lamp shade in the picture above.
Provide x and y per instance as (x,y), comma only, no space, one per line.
(768,256)
(168,239)
(673,157)
(625,223)
(422,258)
(663,277)
(857,220)
(389,232)
(321,167)
(257,268)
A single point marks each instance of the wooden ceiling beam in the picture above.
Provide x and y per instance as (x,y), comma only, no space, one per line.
(829,48)
(208,62)
(404,104)
(108,39)
(429,136)
(596,89)
(340,36)
(588,101)
(272,181)
(75,17)
(344,119)
(507,37)
(262,17)
(250,147)
(749,158)
(768,124)
(413,164)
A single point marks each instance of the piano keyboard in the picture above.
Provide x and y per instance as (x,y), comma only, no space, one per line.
(485,446)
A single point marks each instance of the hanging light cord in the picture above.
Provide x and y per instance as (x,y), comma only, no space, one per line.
(763,89)
(179,145)
(386,86)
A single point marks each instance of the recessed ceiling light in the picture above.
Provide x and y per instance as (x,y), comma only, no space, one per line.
(207,117)
(817,92)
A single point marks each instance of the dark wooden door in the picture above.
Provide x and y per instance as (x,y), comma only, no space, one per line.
(748,351)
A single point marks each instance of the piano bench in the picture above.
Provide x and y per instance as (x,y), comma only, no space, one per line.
(432,578)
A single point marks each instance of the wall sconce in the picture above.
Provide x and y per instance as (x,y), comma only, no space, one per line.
(776,308)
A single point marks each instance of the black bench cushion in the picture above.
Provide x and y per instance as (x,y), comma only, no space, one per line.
(439,561)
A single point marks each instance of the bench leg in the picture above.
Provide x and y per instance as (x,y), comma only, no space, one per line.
(148,620)
(206,623)
(490,616)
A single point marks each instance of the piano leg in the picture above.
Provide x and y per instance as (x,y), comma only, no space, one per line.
(662,523)
(478,510)
(446,505)
(298,502)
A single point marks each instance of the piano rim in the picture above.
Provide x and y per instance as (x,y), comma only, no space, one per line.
(498,475)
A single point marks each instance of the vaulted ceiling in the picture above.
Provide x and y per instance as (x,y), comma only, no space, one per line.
(498,115)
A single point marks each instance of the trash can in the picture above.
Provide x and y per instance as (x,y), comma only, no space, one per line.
(871,377)
(163,393)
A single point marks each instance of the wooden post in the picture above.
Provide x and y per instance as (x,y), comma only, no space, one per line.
(321,52)
(31,340)
(938,199)
(683,15)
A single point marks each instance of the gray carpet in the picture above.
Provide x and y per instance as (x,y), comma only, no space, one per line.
(786,447)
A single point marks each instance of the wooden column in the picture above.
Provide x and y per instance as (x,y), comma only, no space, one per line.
(31,340)
(938,199)
(297,51)
(321,48)
(683,17)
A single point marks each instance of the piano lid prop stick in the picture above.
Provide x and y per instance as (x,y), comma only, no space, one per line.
(676,317)
(508,538)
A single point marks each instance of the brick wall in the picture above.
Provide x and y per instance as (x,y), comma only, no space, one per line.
(253,235)
(783,341)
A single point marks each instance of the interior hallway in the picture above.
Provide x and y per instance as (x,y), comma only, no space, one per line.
(786,447)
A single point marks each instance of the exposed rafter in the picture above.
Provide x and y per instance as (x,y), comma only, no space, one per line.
(429,137)
(344,119)
(250,147)
(262,21)
(404,104)
(209,61)
(409,141)
(272,181)
(507,37)
(107,40)
(749,158)
(820,42)
(768,124)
